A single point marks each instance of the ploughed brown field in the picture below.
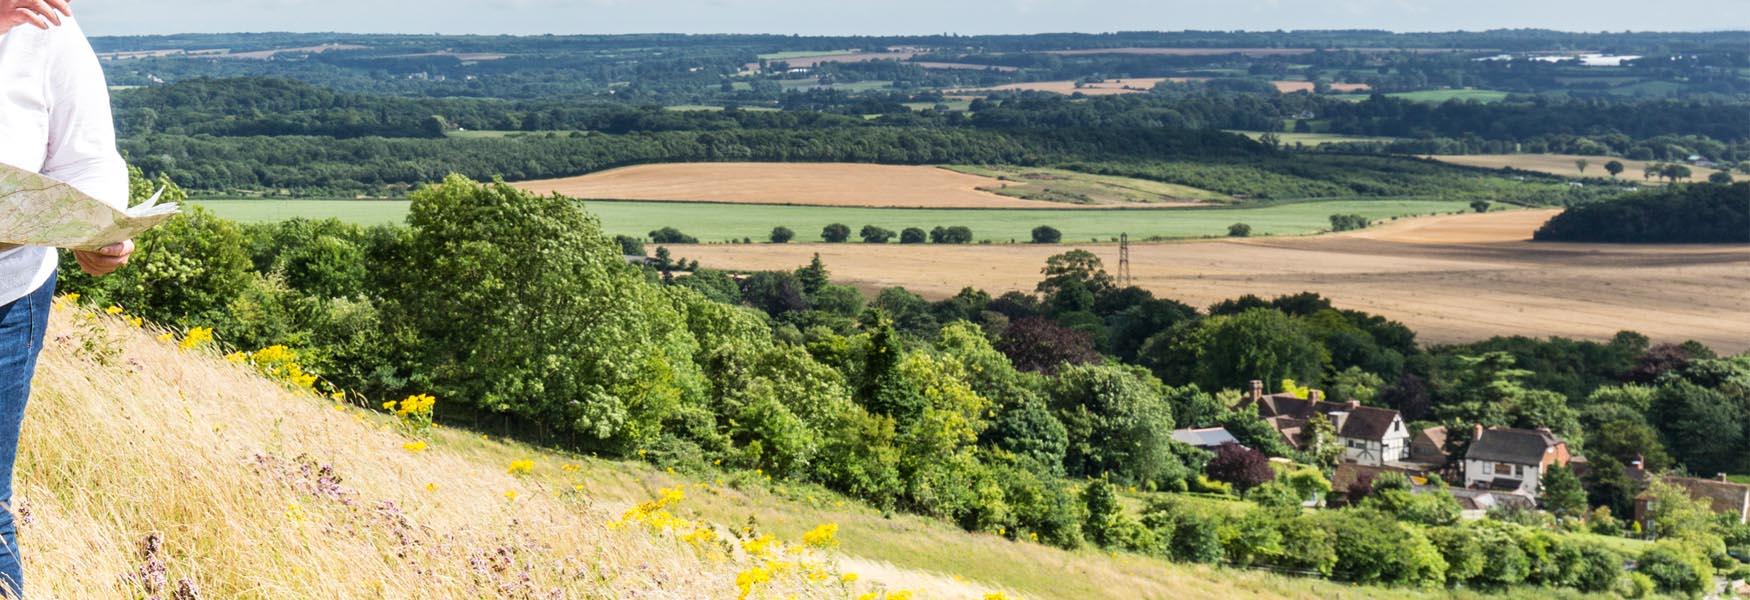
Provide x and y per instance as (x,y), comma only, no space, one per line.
(814,184)
(1450,278)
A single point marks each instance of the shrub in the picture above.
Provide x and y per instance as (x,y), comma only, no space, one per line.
(836,233)
(1676,569)
(1373,548)
(1306,545)
(875,235)
(1243,467)
(1239,230)
(670,235)
(957,234)
(912,235)
(1349,222)
(1253,539)
(1196,539)
(1046,234)
(1638,585)
(630,246)
(1101,506)
(1597,571)
(782,235)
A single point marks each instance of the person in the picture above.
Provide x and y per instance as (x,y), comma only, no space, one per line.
(55,120)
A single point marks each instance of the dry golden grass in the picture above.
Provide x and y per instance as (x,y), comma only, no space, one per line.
(1450,278)
(1564,165)
(809,184)
(1141,85)
(226,469)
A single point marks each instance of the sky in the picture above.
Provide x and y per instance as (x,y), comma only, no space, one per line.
(895,17)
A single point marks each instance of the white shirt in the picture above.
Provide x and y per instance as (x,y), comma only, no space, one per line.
(55,120)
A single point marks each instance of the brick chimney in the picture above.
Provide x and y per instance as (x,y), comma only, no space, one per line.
(1352,405)
(1476,432)
(1257,390)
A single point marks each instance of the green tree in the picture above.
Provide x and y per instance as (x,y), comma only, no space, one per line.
(814,277)
(1046,234)
(1560,493)
(523,306)
(1117,424)
(1222,352)
(835,233)
(1481,206)
(782,235)
(875,235)
(1581,164)
(1614,168)
(1102,510)
(1239,230)
(912,235)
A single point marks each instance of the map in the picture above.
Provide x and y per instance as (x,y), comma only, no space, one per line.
(40,211)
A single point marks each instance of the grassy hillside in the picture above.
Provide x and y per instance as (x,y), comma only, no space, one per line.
(253,491)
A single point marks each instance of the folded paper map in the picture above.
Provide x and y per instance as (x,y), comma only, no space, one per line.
(39,211)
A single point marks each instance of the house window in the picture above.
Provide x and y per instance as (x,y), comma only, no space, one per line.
(1503,469)
(1357,445)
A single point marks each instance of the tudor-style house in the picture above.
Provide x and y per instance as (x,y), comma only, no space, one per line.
(1369,435)
(1512,460)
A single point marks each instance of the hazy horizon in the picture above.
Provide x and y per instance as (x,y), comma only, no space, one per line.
(893,18)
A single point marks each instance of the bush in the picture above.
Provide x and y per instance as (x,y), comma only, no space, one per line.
(1349,222)
(1046,234)
(912,235)
(1680,214)
(670,235)
(1239,230)
(1676,569)
(1240,466)
(875,235)
(1196,539)
(957,234)
(630,246)
(836,233)
(782,235)
(1638,585)
(1597,570)
(1373,548)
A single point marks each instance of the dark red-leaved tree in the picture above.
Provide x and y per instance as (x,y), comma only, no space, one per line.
(1038,344)
(1243,467)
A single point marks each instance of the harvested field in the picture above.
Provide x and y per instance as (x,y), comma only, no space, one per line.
(267,54)
(811,184)
(1563,164)
(808,62)
(965,66)
(1105,88)
(1451,278)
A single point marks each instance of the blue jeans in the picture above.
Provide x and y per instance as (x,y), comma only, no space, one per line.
(23,324)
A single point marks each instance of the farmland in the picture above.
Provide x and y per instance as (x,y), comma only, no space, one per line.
(1137,85)
(1439,96)
(810,184)
(1315,139)
(725,222)
(1564,165)
(872,186)
(1451,278)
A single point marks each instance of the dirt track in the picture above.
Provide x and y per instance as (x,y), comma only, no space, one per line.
(1451,278)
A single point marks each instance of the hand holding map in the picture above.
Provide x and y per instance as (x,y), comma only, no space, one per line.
(40,211)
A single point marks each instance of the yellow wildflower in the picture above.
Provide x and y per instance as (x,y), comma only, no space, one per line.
(848,578)
(824,536)
(134,321)
(522,467)
(415,447)
(166,336)
(431,487)
(570,467)
(760,547)
(113,309)
(510,495)
(746,580)
(196,337)
(995,596)
(72,298)
(295,513)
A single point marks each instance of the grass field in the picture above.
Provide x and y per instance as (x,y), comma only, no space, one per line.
(1564,165)
(1058,185)
(724,222)
(1438,96)
(804,184)
(1315,139)
(774,56)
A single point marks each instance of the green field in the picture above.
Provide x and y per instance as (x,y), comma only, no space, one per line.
(1315,139)
(776,56)
(724,222)
(1438,96)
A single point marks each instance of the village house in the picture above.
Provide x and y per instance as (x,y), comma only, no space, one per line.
(1369,435)
(1208,438)
(1722,495)
(1512,460)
